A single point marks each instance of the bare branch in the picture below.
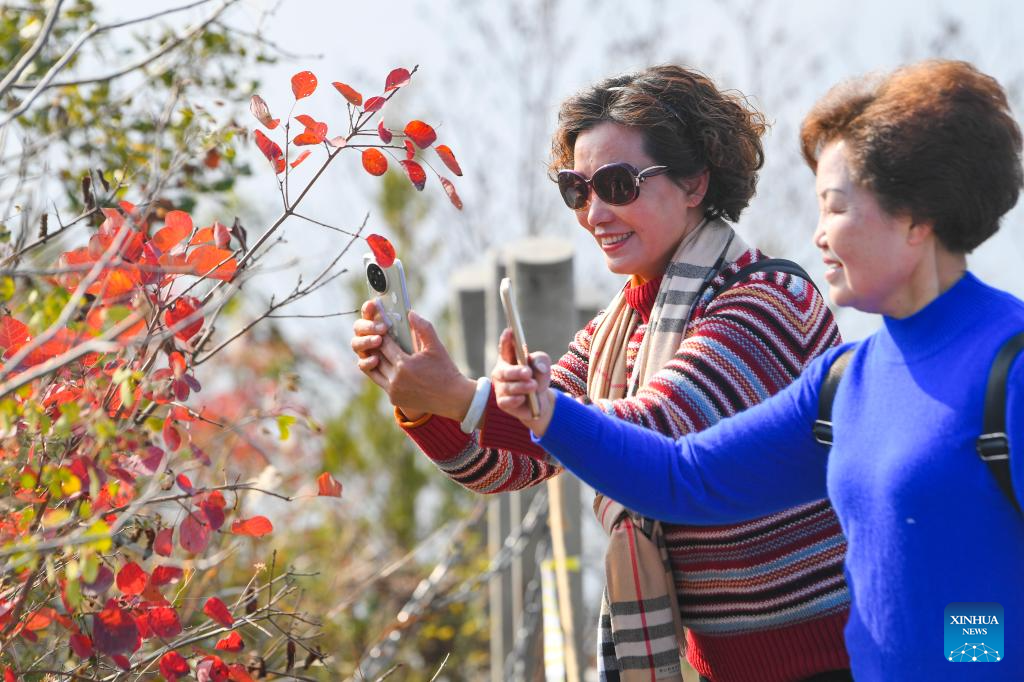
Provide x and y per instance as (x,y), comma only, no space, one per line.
(26,59)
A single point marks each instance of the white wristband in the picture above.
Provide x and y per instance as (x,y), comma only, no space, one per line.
(477,406)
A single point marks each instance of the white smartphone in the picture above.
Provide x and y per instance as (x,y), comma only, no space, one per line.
(508,302)
(388,286)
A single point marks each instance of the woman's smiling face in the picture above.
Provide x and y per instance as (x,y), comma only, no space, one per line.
(638,238)
(868,257)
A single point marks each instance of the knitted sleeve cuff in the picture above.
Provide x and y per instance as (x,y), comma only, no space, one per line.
(502,430)
(440,438)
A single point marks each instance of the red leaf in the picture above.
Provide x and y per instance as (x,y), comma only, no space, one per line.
(233,642)
(303,84)
(410,151)
(99,586)
(270,149)
(9,675)
(164,543)
(164,622)
(131,579)
(194,534)
(221,234)
(114,630)
(172,439)
(415,172)
(384,133)
(13,334)
(165,575)
(261,111)
(449,159)
(315,133)
(122,662)
(172,666)
(185,308)
(81,645)
(383,251)
(329,487)
(453,196)
(177,226)
(300,158)
(420,133)
(279,164)
(373,104)
(307,138)
(209,261)
(211,669)
(257,526)
(213,506)
(218,611)
(238,673)
(339,141)
(183,481)
(374,162)
(396,79)
(353,96)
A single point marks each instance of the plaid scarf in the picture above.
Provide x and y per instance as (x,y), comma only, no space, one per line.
(641,635)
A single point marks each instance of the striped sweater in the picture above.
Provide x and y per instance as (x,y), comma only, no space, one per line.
(761,600)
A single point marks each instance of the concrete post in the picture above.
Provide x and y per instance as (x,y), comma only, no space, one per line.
(541,273)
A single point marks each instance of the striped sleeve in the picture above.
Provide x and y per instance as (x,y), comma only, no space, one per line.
(744,346)
(501,457)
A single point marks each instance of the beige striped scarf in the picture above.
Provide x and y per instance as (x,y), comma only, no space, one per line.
(640,635)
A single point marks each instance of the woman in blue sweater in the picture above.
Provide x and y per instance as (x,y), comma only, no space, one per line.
(913,171)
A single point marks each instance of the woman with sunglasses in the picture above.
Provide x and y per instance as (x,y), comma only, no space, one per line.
(914,170)
(653,164)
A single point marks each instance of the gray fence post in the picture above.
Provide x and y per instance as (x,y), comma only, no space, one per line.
(541,273)
(474,287)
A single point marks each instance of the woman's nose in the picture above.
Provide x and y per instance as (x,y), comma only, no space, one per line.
(597,211)
(818,239)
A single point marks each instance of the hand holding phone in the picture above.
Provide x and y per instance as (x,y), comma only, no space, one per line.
(516,324)
(387,285)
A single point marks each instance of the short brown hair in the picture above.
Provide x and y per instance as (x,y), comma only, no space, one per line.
(934,139)
(688,124)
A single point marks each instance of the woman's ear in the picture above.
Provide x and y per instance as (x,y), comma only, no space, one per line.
(919,230)
(696,186)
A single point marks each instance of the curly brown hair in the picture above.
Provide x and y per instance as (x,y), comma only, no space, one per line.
(688,124)
(935,140)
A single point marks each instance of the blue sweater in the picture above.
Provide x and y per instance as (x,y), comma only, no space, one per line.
(926,523)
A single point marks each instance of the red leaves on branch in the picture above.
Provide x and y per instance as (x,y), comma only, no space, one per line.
(384,134)
(315,133)
(420,133)
(131,579)
(300,158)
(257,526)
(353,96)
(374,162)
(261,111)
(177,227)
(184,312)
(209,261)
(327,485)
(213,506)
(448,158)
(114,630)
(218,611)
(453,196)
(303,84)
(238,673)
(270,149)
(164,622)
(173,666)
(13,335)
(232,642)
(416,174)
(383,251)
(171,436)
(396,79)
(410,151)
(194,534)
(373,104)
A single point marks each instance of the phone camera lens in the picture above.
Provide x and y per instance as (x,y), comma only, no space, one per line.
(378,280)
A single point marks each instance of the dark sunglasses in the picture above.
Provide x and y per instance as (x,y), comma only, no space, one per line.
(614,183)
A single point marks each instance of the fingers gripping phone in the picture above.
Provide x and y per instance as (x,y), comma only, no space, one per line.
(522,352)
(388,286)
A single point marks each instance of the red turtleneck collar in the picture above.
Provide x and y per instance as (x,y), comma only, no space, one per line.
(640,297)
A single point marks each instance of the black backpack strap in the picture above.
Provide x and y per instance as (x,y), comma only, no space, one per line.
(769,265)
(823,424)
(992,445)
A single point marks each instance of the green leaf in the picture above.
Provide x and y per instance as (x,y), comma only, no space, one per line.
(283,422)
